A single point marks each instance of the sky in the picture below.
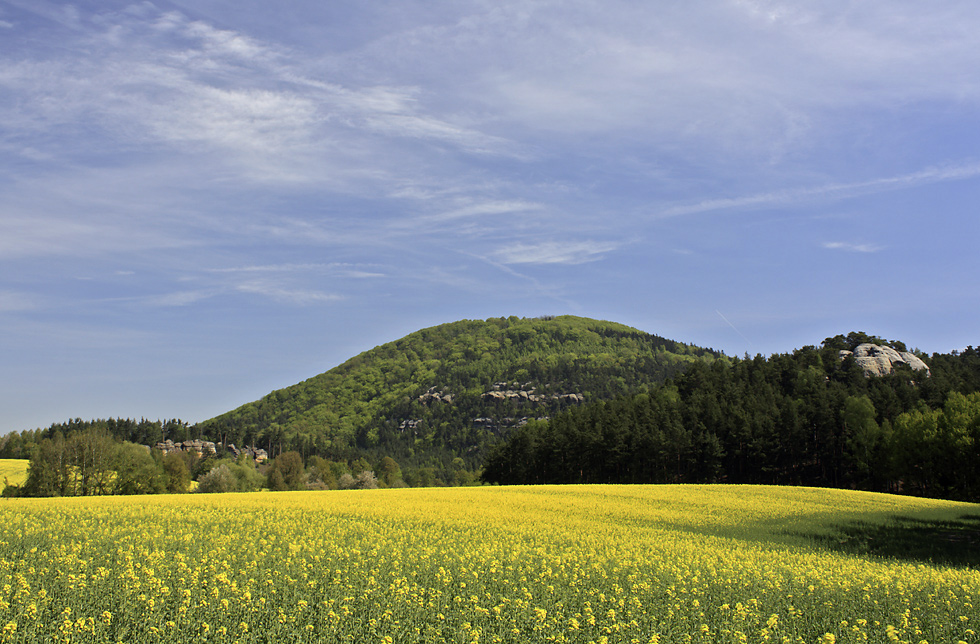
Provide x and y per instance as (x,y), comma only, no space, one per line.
(204,201)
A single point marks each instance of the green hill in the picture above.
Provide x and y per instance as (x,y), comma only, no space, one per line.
(450,390)
(833,416)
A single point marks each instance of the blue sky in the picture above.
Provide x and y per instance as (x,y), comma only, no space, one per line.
(202,201)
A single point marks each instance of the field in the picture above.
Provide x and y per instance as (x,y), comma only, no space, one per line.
(13,471)
(538,564)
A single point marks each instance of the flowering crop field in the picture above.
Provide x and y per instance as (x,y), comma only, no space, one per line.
(493,564)
(13,470)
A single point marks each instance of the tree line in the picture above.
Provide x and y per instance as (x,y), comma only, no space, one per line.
(806,418)
(88,460)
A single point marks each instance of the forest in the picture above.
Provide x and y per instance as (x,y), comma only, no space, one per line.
(85,458)
(374,405)
(555,400)
(806,418)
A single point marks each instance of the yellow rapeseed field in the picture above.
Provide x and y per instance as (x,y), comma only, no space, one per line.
(521,564)
(13,471)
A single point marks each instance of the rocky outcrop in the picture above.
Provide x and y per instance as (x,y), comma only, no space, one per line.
(877,360)
(257,454)
(203,448)
(207,448)
(434,395)
(410,425)
(518,392)
(498,425)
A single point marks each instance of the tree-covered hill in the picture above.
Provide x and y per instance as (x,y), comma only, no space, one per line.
(450,390)
(813,417)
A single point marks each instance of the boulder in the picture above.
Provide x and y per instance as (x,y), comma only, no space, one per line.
(877,360)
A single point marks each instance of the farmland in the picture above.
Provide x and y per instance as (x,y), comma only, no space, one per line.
(13,471)
(493,564)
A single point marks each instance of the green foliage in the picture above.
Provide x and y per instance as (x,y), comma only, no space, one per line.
(287,473)
(90,462)
(178,476)
(365,480)
(137,472)
(219,480)
(389,473)
(358,408)
(803,418)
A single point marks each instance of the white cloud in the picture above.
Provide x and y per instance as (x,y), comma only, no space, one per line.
(952,172)
(179,298)
(478,209)
(251,106)
(345,269)
(852,247)
(553,252)
(286,295)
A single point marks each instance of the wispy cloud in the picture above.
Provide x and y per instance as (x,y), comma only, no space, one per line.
(178,298)
(480,208)
(166,80)
(279,293)
(359,271)
(852,247)
(828,191)
(553,252)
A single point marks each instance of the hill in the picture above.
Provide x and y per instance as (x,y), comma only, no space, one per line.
(450,390)
(819,416)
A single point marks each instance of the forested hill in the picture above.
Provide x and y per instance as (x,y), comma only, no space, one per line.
(451,390)
(814,417)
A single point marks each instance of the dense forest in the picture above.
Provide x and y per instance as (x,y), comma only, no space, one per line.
(806,418)
(452,390)
(555,400)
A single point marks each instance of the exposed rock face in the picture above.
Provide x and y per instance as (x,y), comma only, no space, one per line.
(258,454)
(201,447)
(879,360)
(434,395)
(526,392)
(207,448)
(498,425)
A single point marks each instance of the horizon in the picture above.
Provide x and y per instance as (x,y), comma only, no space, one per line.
(202,202)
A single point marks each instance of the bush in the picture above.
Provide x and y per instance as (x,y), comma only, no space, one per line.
(219,479)
(364,481)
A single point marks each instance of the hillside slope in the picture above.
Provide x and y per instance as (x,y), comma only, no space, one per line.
(817,417)
(449,390)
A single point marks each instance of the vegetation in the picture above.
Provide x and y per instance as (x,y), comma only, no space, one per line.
(557,400)
(374,404)
(91,463)
(13,471)
(806,418)
(493,564)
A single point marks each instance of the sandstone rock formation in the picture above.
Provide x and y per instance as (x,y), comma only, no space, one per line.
(203,448)
(258,454)
(526,392)
(434,395)
(207,448)
(879,360)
